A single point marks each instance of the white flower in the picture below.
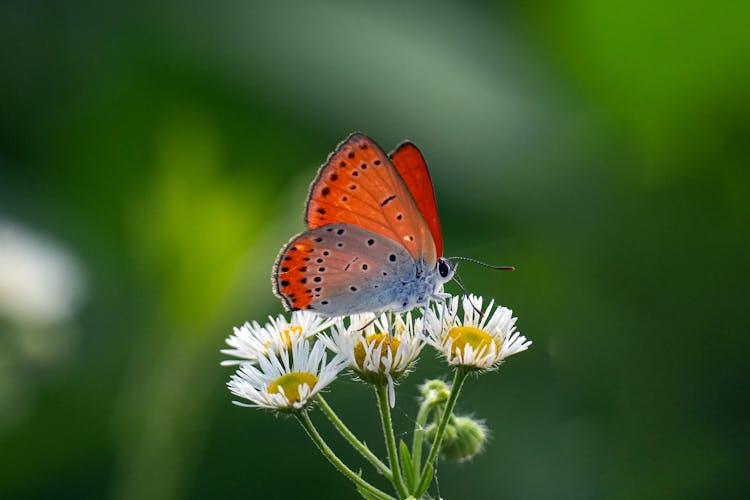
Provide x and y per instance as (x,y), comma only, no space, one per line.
(41,282)
(286,379)
(375,353)
(482,339)
(252,340)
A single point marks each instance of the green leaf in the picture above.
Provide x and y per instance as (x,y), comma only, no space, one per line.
(427,479)
(407,466)
(366,494)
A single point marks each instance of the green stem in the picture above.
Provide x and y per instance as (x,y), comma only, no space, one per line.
(419,428)
(390,439)
(458,381)
(356,443)
(304,419)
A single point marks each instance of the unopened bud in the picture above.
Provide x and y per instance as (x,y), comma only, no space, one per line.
(463,439)
(436,391)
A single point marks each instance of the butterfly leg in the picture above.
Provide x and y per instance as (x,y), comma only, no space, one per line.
(441,298)
(377,314)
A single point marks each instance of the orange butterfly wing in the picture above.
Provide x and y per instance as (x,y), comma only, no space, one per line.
(289,274)
(409,162)
(358,185)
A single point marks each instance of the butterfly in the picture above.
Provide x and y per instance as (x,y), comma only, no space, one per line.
(373,240)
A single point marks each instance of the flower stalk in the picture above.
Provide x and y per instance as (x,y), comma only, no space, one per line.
(352,439)
(390,439)
(420,425)
(458,382)
(304,419)
(284,365)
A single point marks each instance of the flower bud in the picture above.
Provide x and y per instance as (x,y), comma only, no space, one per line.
(436,391)
(463,439)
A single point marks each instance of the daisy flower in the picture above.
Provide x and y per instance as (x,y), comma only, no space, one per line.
(286,379)
(476,340)
(252,340)
(375,353)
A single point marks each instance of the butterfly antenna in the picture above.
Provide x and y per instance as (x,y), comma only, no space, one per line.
(475,261)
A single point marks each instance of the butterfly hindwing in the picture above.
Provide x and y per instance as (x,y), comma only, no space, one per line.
(341,269)
(358,185)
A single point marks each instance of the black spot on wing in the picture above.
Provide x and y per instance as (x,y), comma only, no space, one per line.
(388,200)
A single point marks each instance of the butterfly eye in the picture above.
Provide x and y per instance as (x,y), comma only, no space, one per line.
(444,268)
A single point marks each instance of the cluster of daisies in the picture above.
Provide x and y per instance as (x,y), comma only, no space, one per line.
(284,363)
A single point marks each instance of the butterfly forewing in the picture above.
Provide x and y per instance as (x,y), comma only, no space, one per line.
(341,269)
(408,160)
(358,185)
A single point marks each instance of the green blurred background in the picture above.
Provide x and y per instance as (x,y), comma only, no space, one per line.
(154,159)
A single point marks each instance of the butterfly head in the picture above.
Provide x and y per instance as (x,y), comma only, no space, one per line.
(445,269)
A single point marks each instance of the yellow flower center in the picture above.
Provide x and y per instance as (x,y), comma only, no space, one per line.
(286,336)
(291,383)
(479,340)
(379,341)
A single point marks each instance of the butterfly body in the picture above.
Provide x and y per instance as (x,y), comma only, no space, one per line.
(372,244)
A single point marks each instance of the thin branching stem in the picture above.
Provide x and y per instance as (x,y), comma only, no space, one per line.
(390,439)
(458,381)
(356,443)
(419,427)
(304,419)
